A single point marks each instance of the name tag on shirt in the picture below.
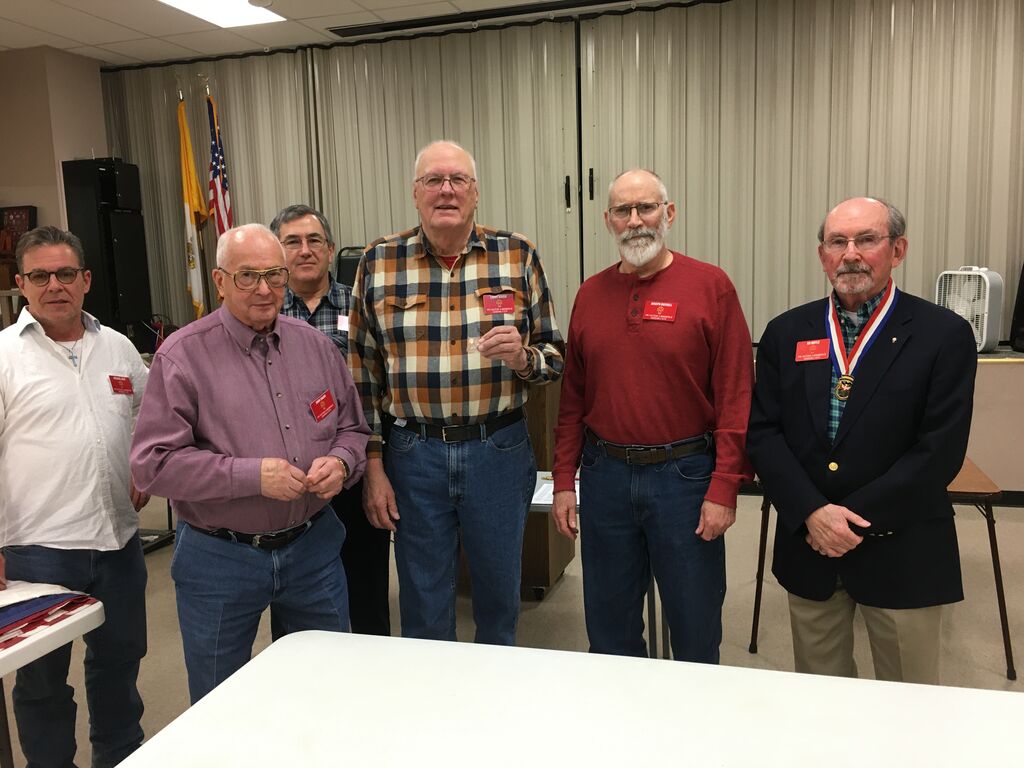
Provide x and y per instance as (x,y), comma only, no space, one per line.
(499,303)
(343,323)
(660,310)
(323,406)
(815,349)
(121,385)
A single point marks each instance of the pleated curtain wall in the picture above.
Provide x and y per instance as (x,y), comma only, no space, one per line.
(758,114)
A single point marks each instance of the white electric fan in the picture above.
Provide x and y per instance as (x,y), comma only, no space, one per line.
(976,294)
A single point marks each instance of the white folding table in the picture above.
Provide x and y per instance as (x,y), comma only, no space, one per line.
(34,647)
(327,699)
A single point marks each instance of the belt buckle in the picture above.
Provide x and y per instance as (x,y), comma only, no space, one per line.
(639,450)
(444,435)
(256,539)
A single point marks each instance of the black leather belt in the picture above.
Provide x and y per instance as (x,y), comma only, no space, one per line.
(653,454)
(457,433)
(267,541)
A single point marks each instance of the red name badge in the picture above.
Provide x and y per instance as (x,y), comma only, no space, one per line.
(660,310)
(499,303)
(121,385)
(815,349)
(322,406)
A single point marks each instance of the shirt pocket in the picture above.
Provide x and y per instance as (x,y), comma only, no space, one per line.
(500,304)
(326,428)
(402,318)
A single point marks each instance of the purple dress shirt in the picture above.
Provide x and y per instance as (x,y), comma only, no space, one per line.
(222,397)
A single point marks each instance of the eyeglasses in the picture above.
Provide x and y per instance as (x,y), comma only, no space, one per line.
(623,212)
(41,277)
(865,242)
(249,279)
(294,243)
(434,181)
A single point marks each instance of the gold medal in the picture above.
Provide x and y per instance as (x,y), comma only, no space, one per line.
(843,387)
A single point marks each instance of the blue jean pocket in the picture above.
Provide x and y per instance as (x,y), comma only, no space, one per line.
(696,467)
(402,440)
(510,438)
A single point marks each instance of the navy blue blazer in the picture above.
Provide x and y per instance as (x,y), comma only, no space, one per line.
(901,440)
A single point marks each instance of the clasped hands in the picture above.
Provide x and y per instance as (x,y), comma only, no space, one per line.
(285,482)
(829,532)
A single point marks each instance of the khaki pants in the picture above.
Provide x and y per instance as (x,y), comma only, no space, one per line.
(904,643)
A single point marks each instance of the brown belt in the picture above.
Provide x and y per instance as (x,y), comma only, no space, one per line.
(653,454)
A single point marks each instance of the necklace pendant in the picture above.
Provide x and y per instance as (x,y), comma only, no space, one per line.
(843,387)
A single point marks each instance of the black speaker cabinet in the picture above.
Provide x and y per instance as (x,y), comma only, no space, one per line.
(104,209)
(1017,323)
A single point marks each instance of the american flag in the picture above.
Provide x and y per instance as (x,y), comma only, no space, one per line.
(220,200)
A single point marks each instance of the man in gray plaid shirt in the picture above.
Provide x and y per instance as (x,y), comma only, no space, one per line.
(315,296)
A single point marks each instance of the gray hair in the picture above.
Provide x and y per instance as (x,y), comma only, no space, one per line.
(299,211)
(40,236)
(419,155)
(661,184)
(225,240)
(897,222)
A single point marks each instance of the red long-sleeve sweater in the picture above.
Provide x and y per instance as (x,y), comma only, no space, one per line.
(641,381)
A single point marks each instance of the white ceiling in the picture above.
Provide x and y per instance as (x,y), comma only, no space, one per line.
(125,32)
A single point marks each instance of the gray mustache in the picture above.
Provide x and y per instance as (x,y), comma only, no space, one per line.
(636,234)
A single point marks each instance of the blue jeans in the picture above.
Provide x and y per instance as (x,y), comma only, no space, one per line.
(637,518)
(223,587)
(44,703)
(479,490)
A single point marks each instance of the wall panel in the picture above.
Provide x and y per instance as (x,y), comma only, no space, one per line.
(758,114)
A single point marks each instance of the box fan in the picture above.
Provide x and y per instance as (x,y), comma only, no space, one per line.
(976,294)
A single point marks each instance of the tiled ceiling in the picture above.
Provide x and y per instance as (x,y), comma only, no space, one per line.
(126,32)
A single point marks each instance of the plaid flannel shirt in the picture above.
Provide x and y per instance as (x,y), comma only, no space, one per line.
(414,324)
(334,304)
(851,330)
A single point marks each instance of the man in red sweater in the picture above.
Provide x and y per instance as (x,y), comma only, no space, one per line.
(654,406)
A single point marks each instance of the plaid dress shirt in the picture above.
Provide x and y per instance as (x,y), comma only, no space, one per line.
(850,329)
(334,304)
(414,325)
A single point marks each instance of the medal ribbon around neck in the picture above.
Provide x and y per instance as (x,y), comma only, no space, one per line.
(846,363)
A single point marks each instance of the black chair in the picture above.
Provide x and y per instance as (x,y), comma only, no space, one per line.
(346,262)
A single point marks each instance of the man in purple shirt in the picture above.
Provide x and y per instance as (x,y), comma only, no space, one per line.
(250,426)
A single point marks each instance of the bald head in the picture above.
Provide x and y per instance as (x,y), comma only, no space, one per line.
(445,147)
(635,176)
(896,223)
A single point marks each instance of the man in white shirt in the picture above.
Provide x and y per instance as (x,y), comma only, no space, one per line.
(69,393)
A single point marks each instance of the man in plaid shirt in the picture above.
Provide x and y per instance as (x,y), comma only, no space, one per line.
(451,325)
(315,296)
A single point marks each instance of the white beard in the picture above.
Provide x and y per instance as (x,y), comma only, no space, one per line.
(638,246)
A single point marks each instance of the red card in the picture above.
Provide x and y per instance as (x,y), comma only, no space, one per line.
(121,385)
(815,349)
(322,406)
(499,303)
(660,310)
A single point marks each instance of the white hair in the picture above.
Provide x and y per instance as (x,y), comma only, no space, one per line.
(231,235)
(448,142)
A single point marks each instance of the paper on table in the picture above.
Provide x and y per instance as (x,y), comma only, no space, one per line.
(545,493)
(19,591)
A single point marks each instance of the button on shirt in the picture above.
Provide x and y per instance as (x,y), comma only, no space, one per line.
(330,316)
(223,397)
(414,323)
(64,437)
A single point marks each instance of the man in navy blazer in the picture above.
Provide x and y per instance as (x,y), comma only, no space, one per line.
(860,418)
